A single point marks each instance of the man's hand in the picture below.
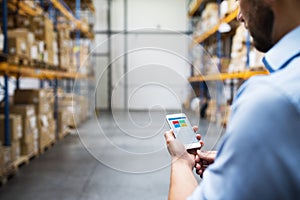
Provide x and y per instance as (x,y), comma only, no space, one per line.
(183,182)
(203,159)
(178,151)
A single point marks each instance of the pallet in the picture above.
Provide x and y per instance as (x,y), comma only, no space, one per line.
(18,60)
(12,168)
(50,66)
(23,160)
(37,64)
(33,155)
(8,172)
(47,147)
(62,136)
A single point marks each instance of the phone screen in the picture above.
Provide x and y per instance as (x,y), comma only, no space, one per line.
(182,129)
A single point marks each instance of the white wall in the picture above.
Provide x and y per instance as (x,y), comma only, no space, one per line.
(157,63)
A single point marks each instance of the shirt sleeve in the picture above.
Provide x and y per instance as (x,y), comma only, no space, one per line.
(251,158)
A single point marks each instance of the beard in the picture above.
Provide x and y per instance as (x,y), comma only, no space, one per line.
(262,28)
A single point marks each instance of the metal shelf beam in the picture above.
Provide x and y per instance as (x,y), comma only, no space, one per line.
(194,6)
(83,27)
(214,29)
(15,70)
(223,76)
(25,7)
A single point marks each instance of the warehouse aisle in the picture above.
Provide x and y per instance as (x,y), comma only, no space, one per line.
(69,171)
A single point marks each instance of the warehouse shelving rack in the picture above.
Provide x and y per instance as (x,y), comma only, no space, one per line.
(53,76)
(201,81)
(199,39)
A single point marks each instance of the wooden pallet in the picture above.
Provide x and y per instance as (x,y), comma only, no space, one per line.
(18,60)
(37,64)
(8,172)
(33,155)
(63,135)
(23,160)
(12,168)
(47,147)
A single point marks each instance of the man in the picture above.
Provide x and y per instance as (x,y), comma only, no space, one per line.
(258,157)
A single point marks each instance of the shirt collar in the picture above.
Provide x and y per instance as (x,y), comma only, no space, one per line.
(283,51)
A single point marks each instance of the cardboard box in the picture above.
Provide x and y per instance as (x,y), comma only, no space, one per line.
(15,127)
(63,121)
(15,150)
(34,96)
(46,131)
(18,46)
(41,26)
(20,42)
(29,124)
(29,147)
(29,96)
(23,110)
(6,155)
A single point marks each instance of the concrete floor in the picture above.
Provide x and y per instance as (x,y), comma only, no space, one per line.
(119,156)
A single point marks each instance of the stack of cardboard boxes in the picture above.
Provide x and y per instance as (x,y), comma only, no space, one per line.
(66,103)
(28,142)
(75,107)
(5,158)
(212,110)
(12,153)
(15,134)
(20,42)
(32,40)
(43,29)
(65,45)
(64,118)
(43,110)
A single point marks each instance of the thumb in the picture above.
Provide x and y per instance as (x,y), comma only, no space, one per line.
(169,136)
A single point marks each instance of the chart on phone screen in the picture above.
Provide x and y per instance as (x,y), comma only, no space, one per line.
(183,131)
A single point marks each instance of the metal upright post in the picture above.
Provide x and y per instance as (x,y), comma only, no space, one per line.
(6,112)
(219,40)
(42,4)
(42,83)
(248,45)
(18,82)
(77,42)
(6,88)
(56,106)
(77,13)
(109,70)
(219,54)
(125,54)
(4,26)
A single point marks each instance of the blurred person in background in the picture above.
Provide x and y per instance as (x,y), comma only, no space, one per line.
(258,158)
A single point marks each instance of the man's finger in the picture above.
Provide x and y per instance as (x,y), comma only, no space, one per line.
(198,166)
(195,128)
(198,136)
(208,156)
(197,158)
(169,135)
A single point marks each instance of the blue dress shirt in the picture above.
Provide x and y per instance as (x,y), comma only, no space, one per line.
(259,156)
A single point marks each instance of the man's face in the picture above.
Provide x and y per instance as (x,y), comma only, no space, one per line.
(258,18)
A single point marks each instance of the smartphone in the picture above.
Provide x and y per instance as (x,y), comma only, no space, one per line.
(183,130)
